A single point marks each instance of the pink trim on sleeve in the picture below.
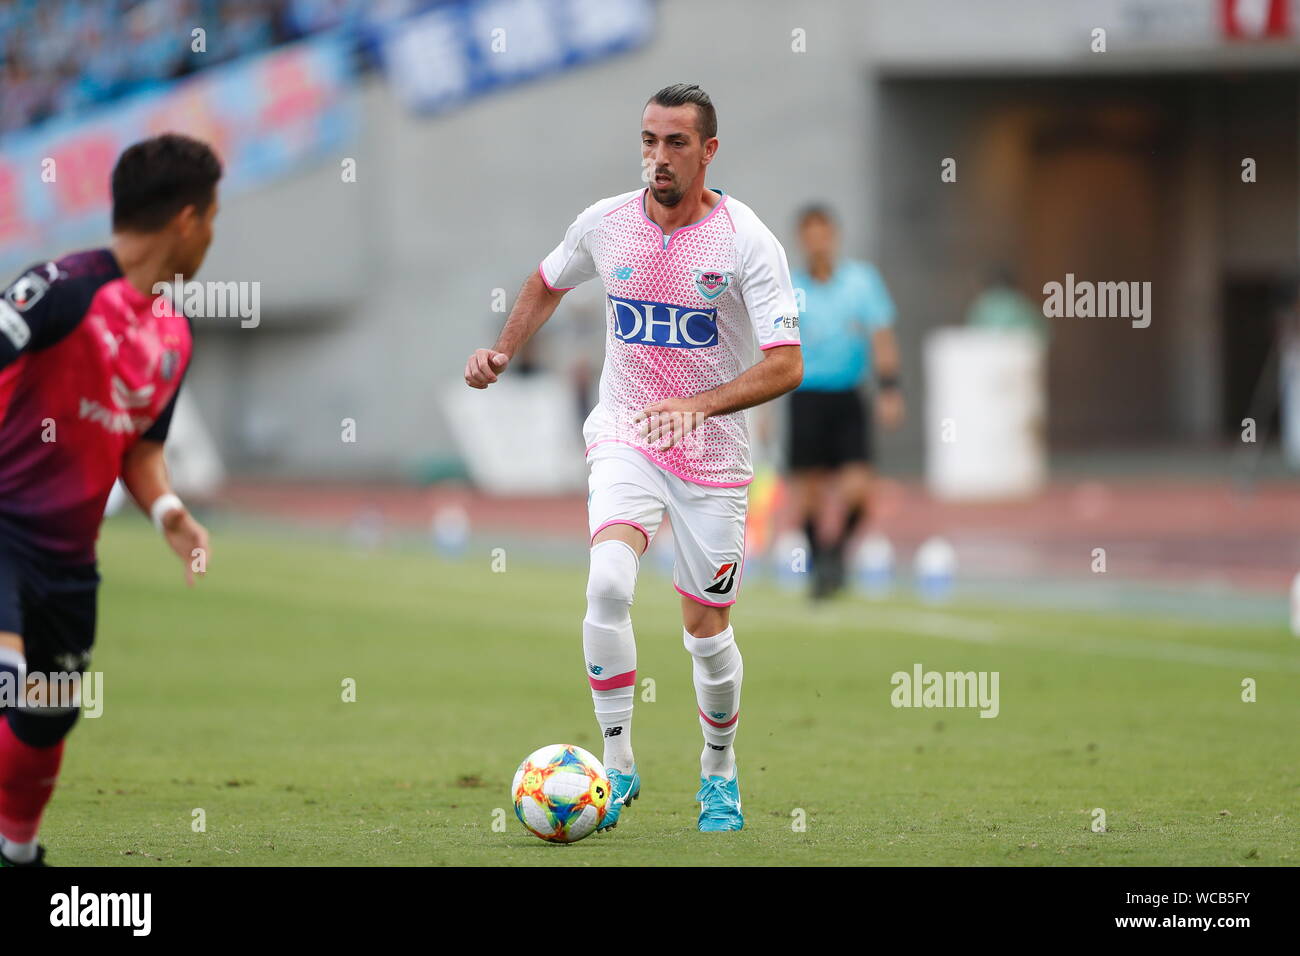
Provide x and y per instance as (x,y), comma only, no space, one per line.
(772,345)
(541,272)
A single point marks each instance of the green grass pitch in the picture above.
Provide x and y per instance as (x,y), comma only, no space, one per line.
(228,699)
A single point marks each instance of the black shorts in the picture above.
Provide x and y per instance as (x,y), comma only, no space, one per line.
(50,605)
(828,429)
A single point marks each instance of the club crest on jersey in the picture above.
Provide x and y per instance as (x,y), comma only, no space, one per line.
(711,283)
(672,326)
(723,579)
(171,359)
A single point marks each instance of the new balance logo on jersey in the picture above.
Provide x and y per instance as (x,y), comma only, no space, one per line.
(723,578)
(672,326)
(623,273)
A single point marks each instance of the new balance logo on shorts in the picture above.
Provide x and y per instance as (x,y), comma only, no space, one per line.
(723,578)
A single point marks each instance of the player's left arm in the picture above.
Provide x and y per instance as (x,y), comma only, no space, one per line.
(890,407)
(765,287)
(671,420)
(880,314)
(144,472)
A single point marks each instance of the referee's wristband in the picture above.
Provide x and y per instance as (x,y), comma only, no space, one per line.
(161,506)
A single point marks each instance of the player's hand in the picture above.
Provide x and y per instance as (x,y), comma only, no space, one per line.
(890,409)
(484,366)
(667,423)
(189,540)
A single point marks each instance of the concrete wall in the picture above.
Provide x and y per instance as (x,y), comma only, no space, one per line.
(449,209)
(1146,186)
(375,291)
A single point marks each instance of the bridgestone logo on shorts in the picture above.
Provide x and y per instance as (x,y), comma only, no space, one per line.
(723,578)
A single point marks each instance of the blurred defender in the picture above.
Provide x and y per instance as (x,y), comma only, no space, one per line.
(91,361)
(847,321)
(692,278)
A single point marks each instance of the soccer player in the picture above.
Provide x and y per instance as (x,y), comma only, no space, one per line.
(848,320)
(90,364)
(692,278)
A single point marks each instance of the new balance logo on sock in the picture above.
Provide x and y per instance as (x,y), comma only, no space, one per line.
(613,731)
(718,714)
(595,670)
(714,746)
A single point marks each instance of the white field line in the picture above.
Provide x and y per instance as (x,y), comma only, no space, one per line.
(947,625)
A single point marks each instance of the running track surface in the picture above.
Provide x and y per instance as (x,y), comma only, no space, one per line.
(1160,530)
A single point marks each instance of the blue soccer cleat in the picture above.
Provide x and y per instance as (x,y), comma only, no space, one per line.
(720,805)
(623,789)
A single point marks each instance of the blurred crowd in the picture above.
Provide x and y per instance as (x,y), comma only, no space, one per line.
(59,57)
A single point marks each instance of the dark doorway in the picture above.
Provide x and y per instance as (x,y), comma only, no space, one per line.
(1248,334)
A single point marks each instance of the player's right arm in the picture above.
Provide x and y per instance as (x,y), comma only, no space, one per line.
(536,303)
(569,264)
(36,311)
(144,472)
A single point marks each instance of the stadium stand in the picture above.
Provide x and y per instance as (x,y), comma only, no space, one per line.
(62,57)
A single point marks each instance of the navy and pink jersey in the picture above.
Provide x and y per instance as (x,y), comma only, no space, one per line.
(681,315)
(89,365)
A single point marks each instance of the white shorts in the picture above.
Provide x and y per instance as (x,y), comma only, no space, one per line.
(708,523)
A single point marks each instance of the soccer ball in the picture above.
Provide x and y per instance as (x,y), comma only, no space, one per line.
(561,793)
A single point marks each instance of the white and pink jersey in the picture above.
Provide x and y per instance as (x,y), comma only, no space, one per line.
(681,315)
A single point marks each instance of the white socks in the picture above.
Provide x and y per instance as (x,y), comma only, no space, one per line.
(718,671)
(19,852)
(610,647)
(610,650)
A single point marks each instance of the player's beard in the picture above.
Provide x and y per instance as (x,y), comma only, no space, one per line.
(669,195)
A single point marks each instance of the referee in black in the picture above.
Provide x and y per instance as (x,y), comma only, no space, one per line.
(846,332)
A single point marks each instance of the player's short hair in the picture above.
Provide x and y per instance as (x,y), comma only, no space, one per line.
(682,94)
(815,212)
(157,178)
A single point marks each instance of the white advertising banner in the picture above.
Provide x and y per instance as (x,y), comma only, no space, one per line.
(985,414)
